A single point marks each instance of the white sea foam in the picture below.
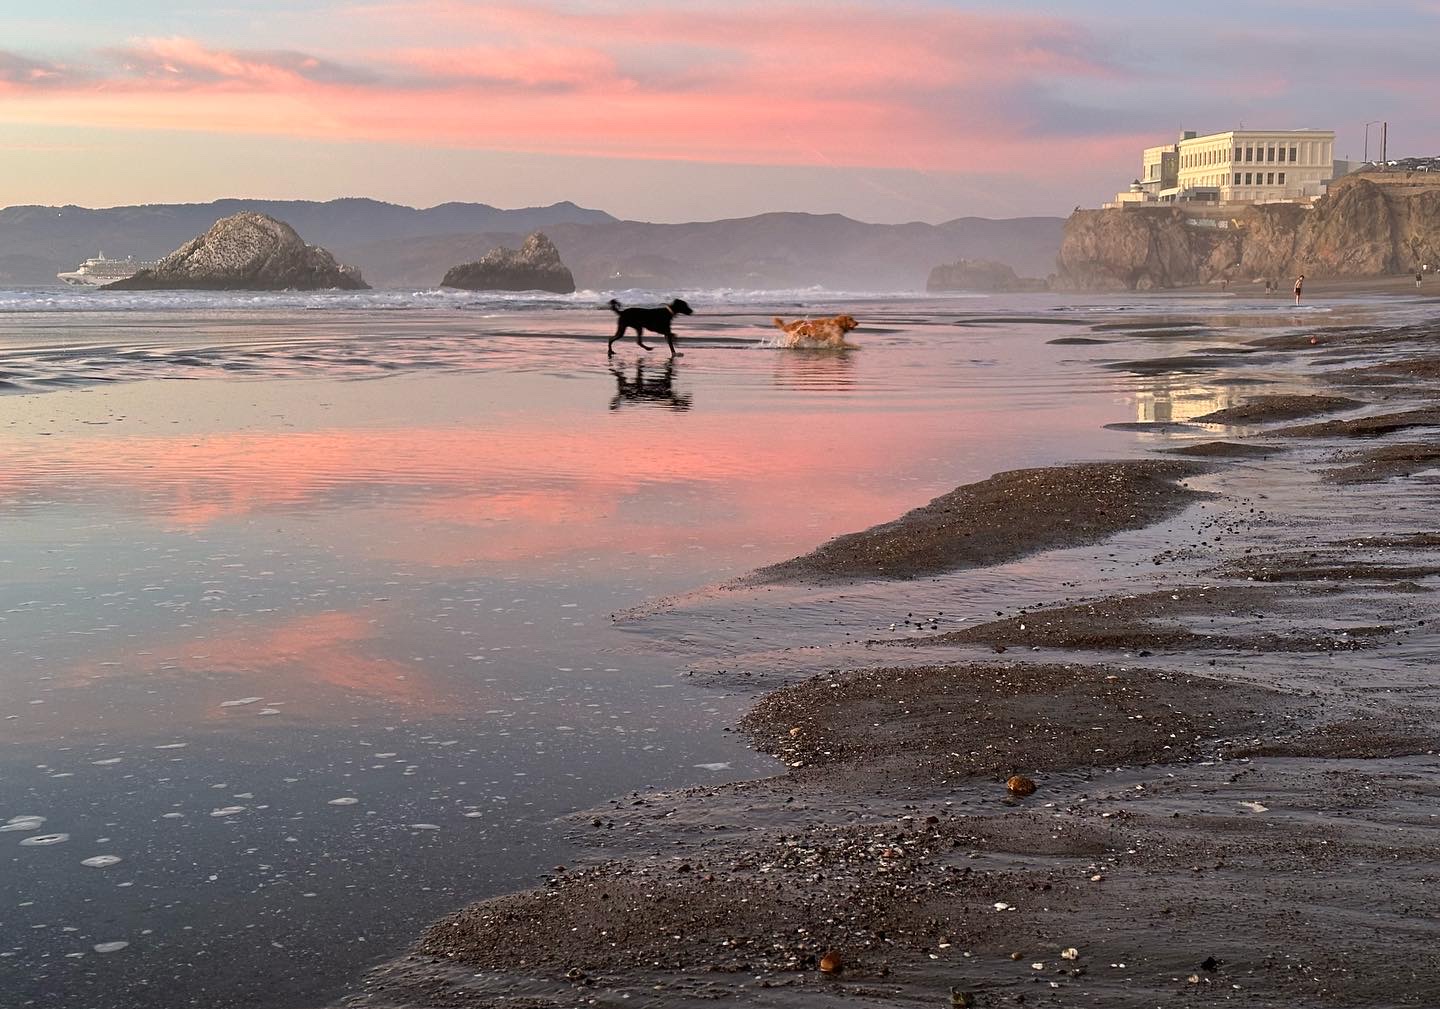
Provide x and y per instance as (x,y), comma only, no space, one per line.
(101,861)
(87,300)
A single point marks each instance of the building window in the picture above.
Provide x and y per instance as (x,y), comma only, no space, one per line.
(1247,178)
(1292,154)
(1237,154)
(1270,154)
(1269,178)
(1281,177)
(1249,154)
(1237,178)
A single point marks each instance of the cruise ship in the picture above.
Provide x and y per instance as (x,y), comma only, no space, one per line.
(97,271)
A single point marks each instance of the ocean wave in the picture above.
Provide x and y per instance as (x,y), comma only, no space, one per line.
(71,299)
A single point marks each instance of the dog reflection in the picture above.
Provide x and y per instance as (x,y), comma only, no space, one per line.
(652,389)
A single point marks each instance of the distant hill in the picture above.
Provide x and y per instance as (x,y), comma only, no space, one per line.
(38,242)
(770,251)
(397,246)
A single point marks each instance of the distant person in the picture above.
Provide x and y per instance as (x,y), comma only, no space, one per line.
(1418,277)
(1225,284)
(1299,287)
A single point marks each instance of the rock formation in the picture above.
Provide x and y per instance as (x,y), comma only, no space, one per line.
(1361,228)
(248,251)
(980,275)
(536,267)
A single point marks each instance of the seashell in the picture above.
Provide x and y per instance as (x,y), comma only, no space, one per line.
(831,963)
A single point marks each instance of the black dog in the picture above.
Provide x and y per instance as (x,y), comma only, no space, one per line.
(657,320)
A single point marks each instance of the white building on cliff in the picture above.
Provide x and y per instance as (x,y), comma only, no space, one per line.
(1238,166)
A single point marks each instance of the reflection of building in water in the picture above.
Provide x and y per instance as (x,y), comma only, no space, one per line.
(1162,402)
(656,388)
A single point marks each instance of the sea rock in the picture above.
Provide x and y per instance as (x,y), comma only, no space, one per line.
(980,275)
(536,267)
(1365,226)
(248,251)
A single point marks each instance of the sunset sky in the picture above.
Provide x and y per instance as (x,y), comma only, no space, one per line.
(686,110)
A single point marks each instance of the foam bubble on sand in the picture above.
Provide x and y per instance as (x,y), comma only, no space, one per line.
(40,840)
(22,823)
(347,800)
(172,746)
(109,947)
(424,826)
(718,766)
(101,861)
(106,763)
(241,702)
(227,811)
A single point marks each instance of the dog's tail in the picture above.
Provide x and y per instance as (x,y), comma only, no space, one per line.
(779,322)
(615,305)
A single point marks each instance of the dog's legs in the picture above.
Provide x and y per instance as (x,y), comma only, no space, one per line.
(619,332)
(640,337)
(670,339)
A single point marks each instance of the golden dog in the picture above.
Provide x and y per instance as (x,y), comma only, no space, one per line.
(817,332)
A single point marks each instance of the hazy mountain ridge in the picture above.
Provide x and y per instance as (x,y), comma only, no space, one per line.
(36,242)
(401,246)
(778,250)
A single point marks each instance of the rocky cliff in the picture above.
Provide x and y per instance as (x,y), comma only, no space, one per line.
(1362,228)
(536,267)
(248,251)
(980,275)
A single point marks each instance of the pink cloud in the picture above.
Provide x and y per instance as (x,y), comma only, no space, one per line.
(773,84)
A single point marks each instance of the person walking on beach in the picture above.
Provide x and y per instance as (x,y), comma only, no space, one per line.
(1299,287)
(1418,277)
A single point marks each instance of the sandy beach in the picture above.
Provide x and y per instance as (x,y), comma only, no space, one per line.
(382,650)
(1217,676)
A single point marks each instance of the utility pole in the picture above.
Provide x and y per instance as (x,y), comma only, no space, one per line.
(1367,138)
(1384,131)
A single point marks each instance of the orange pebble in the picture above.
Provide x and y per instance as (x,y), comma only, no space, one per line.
(1020,785)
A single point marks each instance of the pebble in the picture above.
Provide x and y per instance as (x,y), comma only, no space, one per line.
(1020,785)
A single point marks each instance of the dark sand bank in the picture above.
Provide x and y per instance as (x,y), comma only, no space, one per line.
(1227,450)
(1193,618)
(1007,516)
(1385,463)
(1260,836)
(940,723)
(1265,409)
(1365,427)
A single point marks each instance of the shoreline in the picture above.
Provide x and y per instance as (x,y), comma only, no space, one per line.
(1223,813)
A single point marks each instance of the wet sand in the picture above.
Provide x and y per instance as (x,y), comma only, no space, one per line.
(1007,516)
(1233,741)
(1264,409)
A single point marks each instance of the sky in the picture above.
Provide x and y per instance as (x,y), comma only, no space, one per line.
(885,111)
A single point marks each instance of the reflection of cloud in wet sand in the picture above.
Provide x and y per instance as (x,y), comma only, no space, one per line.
(526,489)
(300,660)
